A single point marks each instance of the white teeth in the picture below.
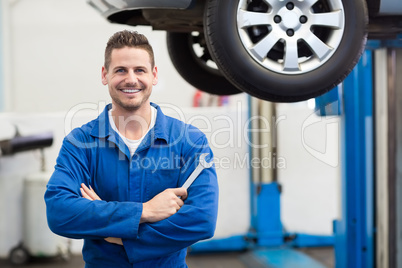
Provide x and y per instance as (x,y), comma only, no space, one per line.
(131,90)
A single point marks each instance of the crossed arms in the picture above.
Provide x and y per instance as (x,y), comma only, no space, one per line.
(160,207)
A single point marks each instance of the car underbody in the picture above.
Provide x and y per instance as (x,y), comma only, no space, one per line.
(189,20)
(281,51)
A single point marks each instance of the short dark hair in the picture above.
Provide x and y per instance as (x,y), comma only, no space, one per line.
(127,38)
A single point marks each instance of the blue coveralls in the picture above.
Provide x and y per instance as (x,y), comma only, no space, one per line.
(95,155)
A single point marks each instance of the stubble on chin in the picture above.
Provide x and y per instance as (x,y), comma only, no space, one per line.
(134,104)
(130,106)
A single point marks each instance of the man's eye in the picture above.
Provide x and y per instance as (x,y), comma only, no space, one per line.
(120,71)
(140,70)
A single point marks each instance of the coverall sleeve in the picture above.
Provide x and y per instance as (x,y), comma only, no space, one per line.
(71,215)
(196,219)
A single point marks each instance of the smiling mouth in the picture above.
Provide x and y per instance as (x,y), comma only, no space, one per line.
(131,90)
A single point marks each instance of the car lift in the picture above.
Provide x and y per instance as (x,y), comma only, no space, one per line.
(356,235)
(367,235)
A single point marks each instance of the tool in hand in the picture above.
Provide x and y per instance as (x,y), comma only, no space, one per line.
(201,165)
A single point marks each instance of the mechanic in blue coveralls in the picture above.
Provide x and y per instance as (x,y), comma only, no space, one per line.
(117,179)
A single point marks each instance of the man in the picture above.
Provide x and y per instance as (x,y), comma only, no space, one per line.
(117,181)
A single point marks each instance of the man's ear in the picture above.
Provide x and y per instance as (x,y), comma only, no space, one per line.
(104,76)
(155,73)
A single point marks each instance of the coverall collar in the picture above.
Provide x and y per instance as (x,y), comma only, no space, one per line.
(102,128)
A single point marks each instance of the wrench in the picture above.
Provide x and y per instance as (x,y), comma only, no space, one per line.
(201,165)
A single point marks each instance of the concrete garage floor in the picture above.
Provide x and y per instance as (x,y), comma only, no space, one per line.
(325,256)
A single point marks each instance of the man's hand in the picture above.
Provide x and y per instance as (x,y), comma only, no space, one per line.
(90,194)
(163,205)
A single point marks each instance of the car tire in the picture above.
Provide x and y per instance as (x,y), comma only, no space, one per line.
(266,78)
(194,68)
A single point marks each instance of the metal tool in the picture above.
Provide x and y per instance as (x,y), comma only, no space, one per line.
(201,165)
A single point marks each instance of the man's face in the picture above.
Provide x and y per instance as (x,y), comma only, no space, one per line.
(130,78)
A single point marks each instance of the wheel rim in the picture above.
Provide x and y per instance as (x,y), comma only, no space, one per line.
(201,53)
(290,36)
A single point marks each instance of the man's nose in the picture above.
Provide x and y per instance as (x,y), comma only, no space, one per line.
(131,77)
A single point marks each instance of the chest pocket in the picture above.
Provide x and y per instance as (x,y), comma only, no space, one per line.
(156,181)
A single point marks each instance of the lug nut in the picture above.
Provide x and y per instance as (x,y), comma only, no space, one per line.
(290,32)
(303,19)
(290,5)
(277,19)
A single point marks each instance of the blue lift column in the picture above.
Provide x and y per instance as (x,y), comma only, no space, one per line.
(354,232)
